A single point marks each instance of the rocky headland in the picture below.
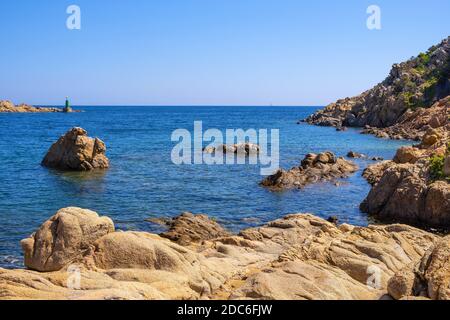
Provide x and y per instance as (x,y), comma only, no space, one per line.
(9,107)
(411,86)
(313,168)
(77,254)
(413,102)
(75,150)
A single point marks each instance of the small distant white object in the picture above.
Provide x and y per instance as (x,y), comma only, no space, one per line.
(374,20)
(73,22)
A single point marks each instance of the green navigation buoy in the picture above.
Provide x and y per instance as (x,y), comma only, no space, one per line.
(67,108)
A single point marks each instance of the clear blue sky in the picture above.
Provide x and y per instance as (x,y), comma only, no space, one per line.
(208,52)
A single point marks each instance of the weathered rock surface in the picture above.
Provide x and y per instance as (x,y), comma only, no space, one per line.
(314,168)
(239,148)
(373,173)
(9,107)
(417,83)
(435,270)
(296,257)
(76,151)
(404,194)
(64,239)
(414,124)
(188,228)
(428,278)
(404,190)
(407,155)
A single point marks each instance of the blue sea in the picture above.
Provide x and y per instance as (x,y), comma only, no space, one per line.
(143,182)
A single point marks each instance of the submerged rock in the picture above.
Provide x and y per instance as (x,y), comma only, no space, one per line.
(314,168)
(76,151)
(297,257)
(340,129)
(356,155)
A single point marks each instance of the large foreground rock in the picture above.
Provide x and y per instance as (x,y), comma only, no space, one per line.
(65,238)
(297,257)
(314,168)
(76,151)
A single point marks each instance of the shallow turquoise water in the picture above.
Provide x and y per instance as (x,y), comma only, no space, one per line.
(142,182)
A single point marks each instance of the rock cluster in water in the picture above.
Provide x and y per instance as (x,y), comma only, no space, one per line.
(314,168)
(239,148)
(76,151)
(281,260)
(9,107)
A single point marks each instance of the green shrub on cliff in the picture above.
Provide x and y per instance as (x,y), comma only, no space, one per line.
(437,165)
(423,91)
(424,58)
(407,99)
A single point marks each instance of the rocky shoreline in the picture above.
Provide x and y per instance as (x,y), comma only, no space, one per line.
(413,102)
(79,255)
(9,107)
(406,189)
(299,256)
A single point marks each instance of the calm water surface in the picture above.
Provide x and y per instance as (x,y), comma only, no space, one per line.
(142,182)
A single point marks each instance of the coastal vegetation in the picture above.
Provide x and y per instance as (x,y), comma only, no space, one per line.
(437,164)
(417,83)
